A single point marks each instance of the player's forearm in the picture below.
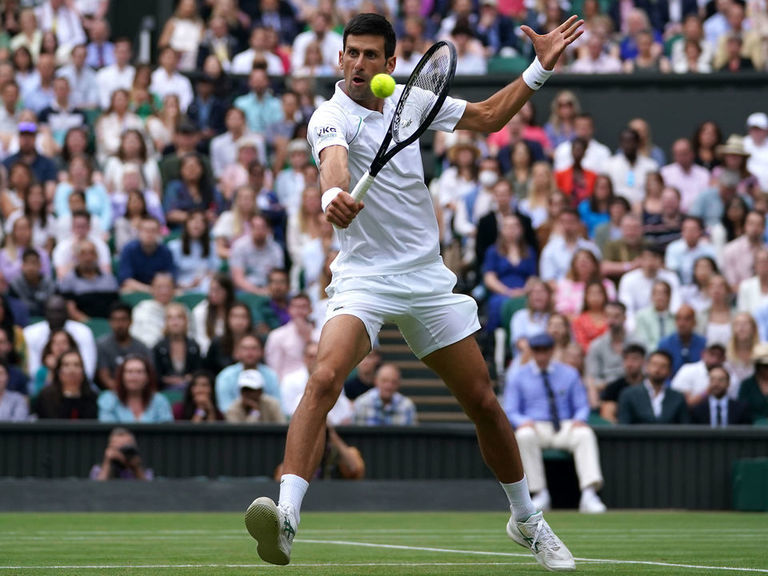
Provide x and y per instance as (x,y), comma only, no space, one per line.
(492,115)
(333,169)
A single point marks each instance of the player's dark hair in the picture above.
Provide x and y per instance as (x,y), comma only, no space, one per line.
(372,25)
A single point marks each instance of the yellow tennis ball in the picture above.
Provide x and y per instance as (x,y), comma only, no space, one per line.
(382,85)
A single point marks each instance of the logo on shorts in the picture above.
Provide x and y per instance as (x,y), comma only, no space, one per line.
(337,308)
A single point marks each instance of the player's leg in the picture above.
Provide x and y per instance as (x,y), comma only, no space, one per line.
(463,369)
(344,341)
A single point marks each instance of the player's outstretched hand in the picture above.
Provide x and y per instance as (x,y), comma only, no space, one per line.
(550,46)
(342,210)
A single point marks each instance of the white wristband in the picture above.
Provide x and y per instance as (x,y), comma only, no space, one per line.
(328,196)
(535,75)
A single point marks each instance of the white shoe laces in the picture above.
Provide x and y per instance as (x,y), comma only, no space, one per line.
(544,535)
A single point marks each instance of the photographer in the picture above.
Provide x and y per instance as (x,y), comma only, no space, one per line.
(122,460)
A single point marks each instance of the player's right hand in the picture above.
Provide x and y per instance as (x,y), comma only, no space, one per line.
(342,210)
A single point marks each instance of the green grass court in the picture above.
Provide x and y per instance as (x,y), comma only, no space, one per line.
(635,543)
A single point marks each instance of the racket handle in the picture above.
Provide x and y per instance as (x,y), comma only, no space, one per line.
(361,188)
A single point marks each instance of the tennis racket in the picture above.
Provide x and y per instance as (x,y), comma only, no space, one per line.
(421,100)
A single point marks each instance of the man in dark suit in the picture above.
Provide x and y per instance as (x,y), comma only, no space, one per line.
(717,409)
(653,402)
(207,111)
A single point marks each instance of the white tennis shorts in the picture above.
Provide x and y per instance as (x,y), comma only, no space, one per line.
(422,305)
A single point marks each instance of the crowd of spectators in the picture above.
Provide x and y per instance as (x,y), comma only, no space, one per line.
(165,255)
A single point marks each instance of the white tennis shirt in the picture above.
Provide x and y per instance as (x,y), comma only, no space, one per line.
(396,232)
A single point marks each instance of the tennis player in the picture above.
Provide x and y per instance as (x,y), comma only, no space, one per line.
(389,269)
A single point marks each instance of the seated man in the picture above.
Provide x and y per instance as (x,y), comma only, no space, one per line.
(716,409)
(249,353)
(114,347)
(363,380)
(547,404)
(284,349)
(634,357)
(655,322)
(142,259)
(63,257)
(32,287)
(384,405)
(692,380)
(253,405)
(683,346)
(653,402)
(149,315)
(89,291)
(253,256)
(604,363)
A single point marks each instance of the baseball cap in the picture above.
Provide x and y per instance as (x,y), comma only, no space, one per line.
(298,146)
(27,127)
(247,140)
(542,340)
(250,379)
(758,120)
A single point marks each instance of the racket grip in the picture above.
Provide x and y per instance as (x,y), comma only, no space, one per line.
(361,188)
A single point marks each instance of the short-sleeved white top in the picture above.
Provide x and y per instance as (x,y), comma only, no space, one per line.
(396,232)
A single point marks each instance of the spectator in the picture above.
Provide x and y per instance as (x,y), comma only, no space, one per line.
(36,335)
(735,159)
(285,345)
(558,253)
(199,401)
(732,59)
(135,398)
(365,372)
(755,144)
(162,124)
(692,34)
(64,20)
(654,322)
(468,62)
(665,227)
(237,173)
(753,292)
(706,141)
(18,381)
(253,256)
(258,51)
(739,255)
(563,111)
(569,291)
(628,169)
(221,352)
(689,178)
(193,192)
(591,322)
(715,320)
(13,405)
(132,152)
(111,125)
(127,225)
(717,409)
(623,255)
(747,40)
(321,32)
(69,396)
(602,208)
(514,135)
(681,254)
(100,51)
(253,406)
(294,385)
(276,312)
(754,390)
(249,354)
(603,363)
(541,188)
(575,181)
(167,80)
(59,342)
(692,379)
(62,114)
(653,402)
(42,167)
(64,253)
(39,94)
(207,110)
(36,210)
(233,224)
(683,346)
(176,355)
(142,259)
(80,179)
(532,319)
(29,36)
(384,405)
(224,148)
(89,291)
(506,268)
(546,403)
(115,347)
(261,107)
(149,315)
(210,315)
(217,42)
(635,286)
(194,254)
(9,111)
(697,294)
(17,241)
(710,204)
(595,59)
(596,153)
(122,460)
(745,336)
(647,148)
(183,32)
(649,58)
(290,182)
(633,356)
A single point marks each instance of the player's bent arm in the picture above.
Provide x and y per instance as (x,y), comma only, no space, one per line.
(339,206)
(492,115)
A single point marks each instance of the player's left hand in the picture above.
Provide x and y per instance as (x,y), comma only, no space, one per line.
(550,46)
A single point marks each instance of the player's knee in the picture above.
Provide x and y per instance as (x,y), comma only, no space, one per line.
(324,385)
(483,405)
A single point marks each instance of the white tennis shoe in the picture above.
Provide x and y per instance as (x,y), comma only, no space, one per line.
(536,535)
(273,527)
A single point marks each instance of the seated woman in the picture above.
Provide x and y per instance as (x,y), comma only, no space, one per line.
(199,403)
(80,178)
(132,152)
(14,406)
(18,238)
(194,254)
(696,294)
(739,353)
(591,323)
(532,319)
(221,353)
(192,191)
(210,316)
(715,321)
(135,398)
(595,210)
(177,355)
(507,267)
(69,396)
(58,342)
(569,293)
(559,327)
(234,223)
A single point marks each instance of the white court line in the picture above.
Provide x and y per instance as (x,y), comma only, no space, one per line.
(251,566)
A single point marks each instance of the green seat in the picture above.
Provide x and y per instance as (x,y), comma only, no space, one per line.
(507,311)
(760,422)
(256,303)
(555,455)
(173,396)
(190,299)
(750,478)
(513,66)
(133,298)
(595,419)
(99,327)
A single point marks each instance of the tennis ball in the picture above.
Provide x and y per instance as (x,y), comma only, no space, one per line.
(382,85)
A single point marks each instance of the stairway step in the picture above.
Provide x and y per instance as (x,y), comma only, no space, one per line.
(443,417)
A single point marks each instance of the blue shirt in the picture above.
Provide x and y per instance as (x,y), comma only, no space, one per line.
(591,219)
(42,167)
(137,264)
(681,354)
(227,390)
(112,410)
(260,113)
(193,265)
(525,397)
(97,202)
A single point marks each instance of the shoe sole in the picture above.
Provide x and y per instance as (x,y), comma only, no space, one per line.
(263,524)
(518,539)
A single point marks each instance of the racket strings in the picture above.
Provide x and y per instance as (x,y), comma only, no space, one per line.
(421,94)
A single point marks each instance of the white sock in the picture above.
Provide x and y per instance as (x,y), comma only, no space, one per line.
(519,499)
(292,491)
(589,492)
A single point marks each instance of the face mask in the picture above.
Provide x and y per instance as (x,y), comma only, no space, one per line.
(488,178)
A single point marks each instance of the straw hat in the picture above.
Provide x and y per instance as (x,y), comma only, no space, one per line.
(734,145)
(760,353)
(463,144)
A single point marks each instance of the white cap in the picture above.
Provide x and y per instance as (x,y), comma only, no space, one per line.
(250,379)
(758,120)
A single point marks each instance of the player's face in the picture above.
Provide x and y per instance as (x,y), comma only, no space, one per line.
(363,57)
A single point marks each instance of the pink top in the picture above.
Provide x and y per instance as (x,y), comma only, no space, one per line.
(569,296)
